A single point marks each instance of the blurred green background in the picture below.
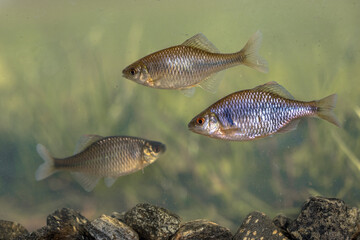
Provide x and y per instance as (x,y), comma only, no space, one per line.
(60,78)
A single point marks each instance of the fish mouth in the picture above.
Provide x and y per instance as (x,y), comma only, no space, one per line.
(192,126)
(162,148)
(158,147)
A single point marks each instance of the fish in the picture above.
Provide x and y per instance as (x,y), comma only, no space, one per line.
(193,63)
(259,112)
(99,157)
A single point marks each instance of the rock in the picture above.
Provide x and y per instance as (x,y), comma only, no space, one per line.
(258,226)
(43,233)
(119,216)
(11,230)
(283,223)
(202,229)
(325,218)
(108,228)
(152,222)
(63,224)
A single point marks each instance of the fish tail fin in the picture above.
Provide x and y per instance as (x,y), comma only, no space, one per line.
(47,168)
(250,55)
(325,109)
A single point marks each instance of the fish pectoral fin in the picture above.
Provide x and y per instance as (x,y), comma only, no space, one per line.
(232,132)
(275,88)
(87,181)
(201,42)
(290,126)
(85,141)
(189,92)
(109,181)
(211,83)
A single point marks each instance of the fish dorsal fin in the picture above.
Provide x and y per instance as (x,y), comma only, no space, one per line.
(109,181)
(201,42)
(189,92)
(211,83)
(290,126)
(85,141)
(274,87)
(87,181)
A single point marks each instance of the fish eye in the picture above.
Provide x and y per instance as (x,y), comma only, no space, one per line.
(200,120)
(156,149)
(132,71)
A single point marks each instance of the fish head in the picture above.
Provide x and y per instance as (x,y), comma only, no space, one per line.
(152,150)
(138,72)
(206,123)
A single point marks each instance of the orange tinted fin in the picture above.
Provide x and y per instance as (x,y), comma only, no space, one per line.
(250,52)
(325,109)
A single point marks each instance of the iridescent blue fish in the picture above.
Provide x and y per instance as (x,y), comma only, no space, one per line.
(259,112)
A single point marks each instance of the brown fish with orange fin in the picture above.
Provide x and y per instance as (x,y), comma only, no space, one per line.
(96,157)
(193,63)
(259,112)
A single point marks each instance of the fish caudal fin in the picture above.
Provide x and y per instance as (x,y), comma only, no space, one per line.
(325,109)
(47,168)
(250,53)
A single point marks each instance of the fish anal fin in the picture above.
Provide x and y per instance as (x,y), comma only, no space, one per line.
(201,42)
(109,181)
(211,83)
(189,92)
(85,141)
(292,125)
(275,88)
(87,181)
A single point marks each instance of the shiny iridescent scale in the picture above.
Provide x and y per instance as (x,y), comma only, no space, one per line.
(255,114)
(182,66)
(110,156)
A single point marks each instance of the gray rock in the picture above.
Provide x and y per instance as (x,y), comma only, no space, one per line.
(202,229)
(11,230)
(108,228)
(62,224)
(258,226)
(325,218)
(119,216)
(152,222)
(283,224)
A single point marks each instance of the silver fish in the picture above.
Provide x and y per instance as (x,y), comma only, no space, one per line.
(259,112)
(96,157)
(193,63)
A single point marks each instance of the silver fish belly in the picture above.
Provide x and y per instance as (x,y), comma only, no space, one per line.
(259,112)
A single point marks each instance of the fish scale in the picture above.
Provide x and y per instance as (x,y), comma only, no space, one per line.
(193,63)
(120,152)
(257,116)
(259,112)
(182,65)
(97,157)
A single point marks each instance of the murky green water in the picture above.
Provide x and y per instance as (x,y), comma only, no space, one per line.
(60,78)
